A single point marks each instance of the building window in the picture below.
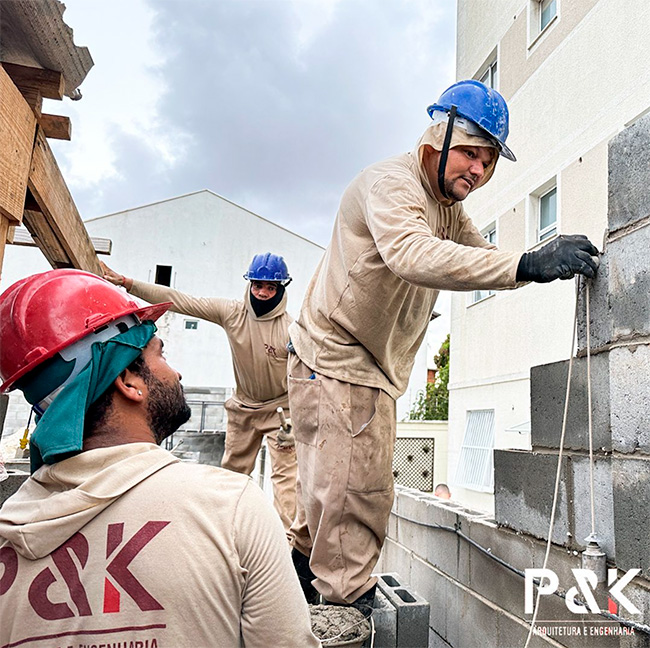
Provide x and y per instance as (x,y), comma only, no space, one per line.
(548,215)
(548,11)
(489,77)
(192,325)
(476,462)
(163,275)
(490,235)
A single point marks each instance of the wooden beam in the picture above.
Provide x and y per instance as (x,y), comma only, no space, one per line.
(22,236)
(56,126)
(46,239)
(48,82)
(4,230)
(55,202)
(34,100)
(17,129)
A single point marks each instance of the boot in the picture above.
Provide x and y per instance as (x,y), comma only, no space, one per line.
(305,576)
(365,603)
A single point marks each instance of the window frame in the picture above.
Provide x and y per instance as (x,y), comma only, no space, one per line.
(473,449)
(548,232)
(477,296)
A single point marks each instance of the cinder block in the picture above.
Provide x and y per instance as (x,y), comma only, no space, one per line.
(412,611)
(629,284)
(523,493)
(629,369)
(548,388)
(384,619)
(600,316)
(436,641)
(603,502)
(491,579)
(628,196)
(631,483)
(10,485)
(416,530)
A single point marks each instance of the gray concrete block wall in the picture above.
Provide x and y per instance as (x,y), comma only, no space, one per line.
(630,398)
(628,196)
(523,492)
(548,388)
(629,284)
(631,494)
(485,608)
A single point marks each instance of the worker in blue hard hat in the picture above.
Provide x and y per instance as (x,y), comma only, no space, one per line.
(400,236)
(257,330)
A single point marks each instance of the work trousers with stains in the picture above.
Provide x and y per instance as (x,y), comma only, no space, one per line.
(246,428)
(345,435)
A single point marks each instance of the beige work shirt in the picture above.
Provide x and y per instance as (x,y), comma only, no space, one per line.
(258,344)
(394,246)
(128,546)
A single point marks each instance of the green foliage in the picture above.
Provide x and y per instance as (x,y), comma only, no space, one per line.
(432,404)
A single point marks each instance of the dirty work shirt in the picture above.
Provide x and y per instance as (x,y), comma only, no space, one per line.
(394,246)
(258,344)
(126,544)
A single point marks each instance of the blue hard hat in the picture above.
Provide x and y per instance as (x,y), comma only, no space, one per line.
(481,106)
(268,267)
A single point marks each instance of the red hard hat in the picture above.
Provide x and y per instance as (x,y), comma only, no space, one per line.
(47,312)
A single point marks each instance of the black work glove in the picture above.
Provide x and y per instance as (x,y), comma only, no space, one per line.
(562,258)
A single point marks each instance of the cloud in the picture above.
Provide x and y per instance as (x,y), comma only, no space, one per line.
(274,104)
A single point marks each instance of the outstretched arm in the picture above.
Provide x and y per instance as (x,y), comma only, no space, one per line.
(212,309)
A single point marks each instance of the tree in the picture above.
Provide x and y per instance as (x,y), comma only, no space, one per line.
(432,404)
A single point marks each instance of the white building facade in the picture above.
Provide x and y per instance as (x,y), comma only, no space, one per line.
(574,73)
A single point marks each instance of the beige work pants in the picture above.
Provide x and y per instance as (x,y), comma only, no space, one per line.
(246,428)
(345,435)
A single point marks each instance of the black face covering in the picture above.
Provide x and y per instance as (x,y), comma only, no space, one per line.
(261,306)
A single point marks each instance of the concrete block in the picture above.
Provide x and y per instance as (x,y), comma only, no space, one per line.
(439,591)
(629,284)
(10,485)
(412,611)
(628,197)
(384,619)
(548,388)
(477,622)
(600,316)
(492,580)
(395,557)
(523,493)
(631,485)
(441,548)
(436,641)
(603,502)
(630,398)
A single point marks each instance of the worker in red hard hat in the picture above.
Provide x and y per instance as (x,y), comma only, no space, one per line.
(83,540)
(257,330)
(400,236)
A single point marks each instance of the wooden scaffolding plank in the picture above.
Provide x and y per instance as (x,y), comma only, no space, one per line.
(17,128)
(57,206)
(48,82)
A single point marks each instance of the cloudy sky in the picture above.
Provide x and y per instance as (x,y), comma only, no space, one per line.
(273,104)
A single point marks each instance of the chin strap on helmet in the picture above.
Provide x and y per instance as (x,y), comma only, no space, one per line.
(442,164)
